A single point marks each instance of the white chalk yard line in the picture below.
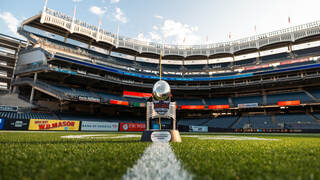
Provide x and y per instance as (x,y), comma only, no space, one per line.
(238,138)
(157,162)
(100,136)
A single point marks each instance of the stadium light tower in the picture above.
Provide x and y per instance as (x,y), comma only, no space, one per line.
(161,106)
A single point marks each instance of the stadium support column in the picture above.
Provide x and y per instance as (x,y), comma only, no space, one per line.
(89,44)
(14,88)
(32,90)
(290,50)
(258,58)
(232,63)
(66,37)
(264,97)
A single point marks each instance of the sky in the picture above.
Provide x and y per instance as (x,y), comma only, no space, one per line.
(182,22)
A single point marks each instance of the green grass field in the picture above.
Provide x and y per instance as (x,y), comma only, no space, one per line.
(41,155)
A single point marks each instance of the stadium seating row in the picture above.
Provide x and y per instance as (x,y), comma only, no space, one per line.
(279,121)
(269,99)
(147,68)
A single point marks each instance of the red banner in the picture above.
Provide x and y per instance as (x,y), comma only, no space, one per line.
(294,61)
(124,103)
(136,94)
(132,127)
(289,103)
(256,67)
(225,106)
(192,106)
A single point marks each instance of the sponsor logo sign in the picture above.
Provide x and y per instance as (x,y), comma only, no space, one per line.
(198,128)
(161,107)
(248,105)
(9,108)
(54,125)
(160,136)
(1,123)
(99,126)
(16,124)
(132,127)
(89,99)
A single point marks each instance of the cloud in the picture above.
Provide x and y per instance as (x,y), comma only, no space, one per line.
(141,37)
(97,10)
(114,1)
(11,21)
(158,17)
(180,33)
(172,32)
(119,15)
(76,1)
(155,36)
(155,28)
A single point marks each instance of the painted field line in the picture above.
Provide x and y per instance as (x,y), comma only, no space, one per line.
(157,162)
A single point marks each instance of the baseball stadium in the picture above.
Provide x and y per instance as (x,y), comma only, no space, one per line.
(78,101)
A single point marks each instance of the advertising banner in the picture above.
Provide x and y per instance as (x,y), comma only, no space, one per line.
(136,94)
(289,103)
(9,108)
(294,61)
(256,67)
(89,99)
(225,106)
(16,124)
(99,126)
(123,103)
(131,127)
(1,123)
(198,128)
(248,105)
(192,107)
(53,125)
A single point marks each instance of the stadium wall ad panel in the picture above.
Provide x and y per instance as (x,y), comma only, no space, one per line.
(117,102)
(9,108)
(198,128)
(224,106)
(132,127)
(289,103)
(136,94)
(1,123)
(53,125)
(99,126)
(16,124)
(192,107)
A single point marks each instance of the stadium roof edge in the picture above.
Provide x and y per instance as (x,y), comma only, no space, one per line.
(75,29)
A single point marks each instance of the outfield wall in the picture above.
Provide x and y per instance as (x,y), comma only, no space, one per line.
(99,126)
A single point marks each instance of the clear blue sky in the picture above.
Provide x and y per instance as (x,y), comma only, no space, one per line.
(175,21)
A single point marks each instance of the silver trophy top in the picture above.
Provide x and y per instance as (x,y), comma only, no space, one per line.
(161,90)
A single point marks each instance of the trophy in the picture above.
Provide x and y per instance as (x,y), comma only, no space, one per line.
(159,107)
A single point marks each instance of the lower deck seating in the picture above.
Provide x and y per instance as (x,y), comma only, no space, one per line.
(221,121)
(29,115)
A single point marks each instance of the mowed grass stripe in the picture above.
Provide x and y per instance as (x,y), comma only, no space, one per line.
(48,156)
(291,157)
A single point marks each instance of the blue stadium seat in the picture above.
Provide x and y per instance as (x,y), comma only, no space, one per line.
(274,98)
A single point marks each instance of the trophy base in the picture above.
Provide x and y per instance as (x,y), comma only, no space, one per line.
(161,136)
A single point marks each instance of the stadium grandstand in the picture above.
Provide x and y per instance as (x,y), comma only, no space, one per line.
(71,70)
